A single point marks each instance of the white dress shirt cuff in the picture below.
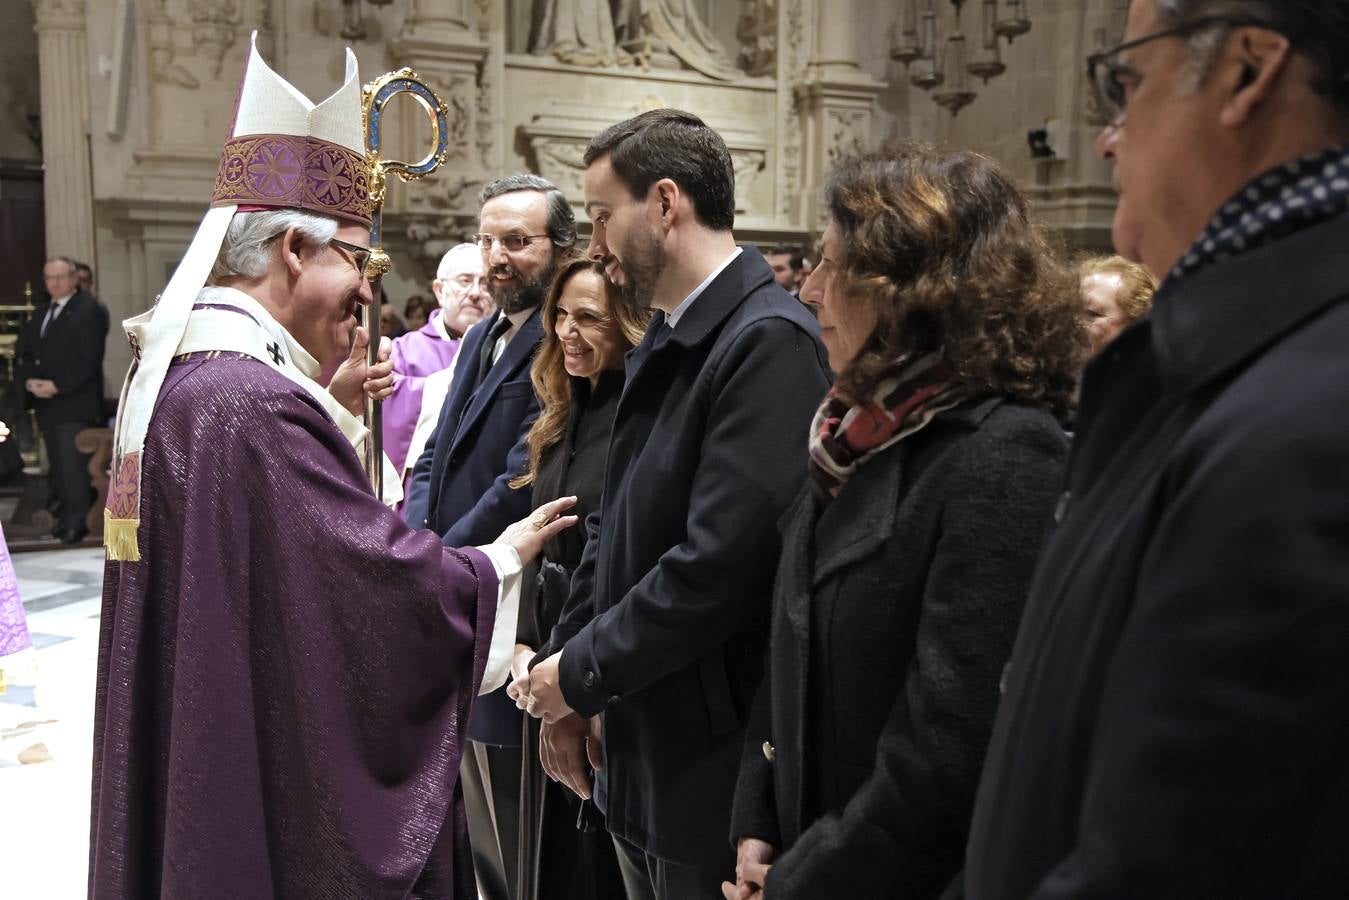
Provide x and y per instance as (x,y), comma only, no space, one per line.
(510,575)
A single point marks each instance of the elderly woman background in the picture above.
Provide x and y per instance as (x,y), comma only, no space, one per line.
(935,463)
(1115,294)
(578,376)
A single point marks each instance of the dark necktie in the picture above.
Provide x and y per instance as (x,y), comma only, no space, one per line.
(52,313)
(499,327)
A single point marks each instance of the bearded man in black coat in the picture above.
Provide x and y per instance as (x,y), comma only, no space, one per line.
(664,631)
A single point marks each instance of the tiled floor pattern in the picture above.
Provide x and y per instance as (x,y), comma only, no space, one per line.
(47,713)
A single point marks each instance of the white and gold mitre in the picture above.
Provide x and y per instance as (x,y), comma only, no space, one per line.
(283,152)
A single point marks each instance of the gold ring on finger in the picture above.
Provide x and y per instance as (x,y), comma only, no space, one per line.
(539,520)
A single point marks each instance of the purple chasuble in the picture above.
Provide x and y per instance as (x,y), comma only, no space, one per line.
(416,355)
(13,627)
(284,680)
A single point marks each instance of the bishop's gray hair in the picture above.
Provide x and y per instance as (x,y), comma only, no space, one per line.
(245,252)
(1318,29)
(561,225)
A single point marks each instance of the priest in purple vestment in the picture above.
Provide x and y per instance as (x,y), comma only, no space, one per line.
(461,289)
(285,668)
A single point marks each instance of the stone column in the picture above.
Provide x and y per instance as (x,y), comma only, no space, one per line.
(837,99)
(440,42)
(64,78)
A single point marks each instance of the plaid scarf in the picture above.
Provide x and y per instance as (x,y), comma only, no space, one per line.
(843,436)
(1284,200)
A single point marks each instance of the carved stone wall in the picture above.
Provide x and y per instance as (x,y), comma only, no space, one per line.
(792,84)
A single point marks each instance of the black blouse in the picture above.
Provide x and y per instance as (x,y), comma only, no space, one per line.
(573,466)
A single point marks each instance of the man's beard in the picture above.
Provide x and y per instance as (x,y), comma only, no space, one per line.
(525,293)
(645,261)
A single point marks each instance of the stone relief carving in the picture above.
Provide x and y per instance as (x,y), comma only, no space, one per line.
(199,29)
(661,34)
(557,146)
(846,139)
(665,33)
(579,32)
(561,161)
(215,27)
(794,33)
(484,138)
(758,33)
(747,165)
(164,68)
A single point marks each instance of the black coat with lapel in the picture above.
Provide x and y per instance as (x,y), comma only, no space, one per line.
(70,354)
(894,611)
(460,485)
(1177,709)
(668,614)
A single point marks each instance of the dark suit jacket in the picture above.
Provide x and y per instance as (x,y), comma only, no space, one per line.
(460,485)
(70,354)
(678,579)
(894,611)
(1177,709)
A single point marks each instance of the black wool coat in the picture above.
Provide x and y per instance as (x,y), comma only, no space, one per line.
(665,628)
(70,354)
(1176,723)
(894,612)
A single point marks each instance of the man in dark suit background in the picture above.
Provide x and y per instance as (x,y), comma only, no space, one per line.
(665,627)
(60,364)
(460,485)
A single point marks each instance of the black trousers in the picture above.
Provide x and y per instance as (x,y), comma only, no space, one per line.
(648,877)
(68,478)
(491,779)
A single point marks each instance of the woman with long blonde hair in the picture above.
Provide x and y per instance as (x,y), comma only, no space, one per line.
(578,377)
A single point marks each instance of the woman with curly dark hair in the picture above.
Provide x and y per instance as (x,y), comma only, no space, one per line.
(935,462)
(578,377)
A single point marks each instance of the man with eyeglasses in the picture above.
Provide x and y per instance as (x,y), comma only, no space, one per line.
(1175,716)
(423,360)
(460,486)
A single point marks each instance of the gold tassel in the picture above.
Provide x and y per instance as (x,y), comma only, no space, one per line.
(119,536)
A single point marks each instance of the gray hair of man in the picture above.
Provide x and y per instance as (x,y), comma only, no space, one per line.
(245,252)
(451,263)
(74,266)
(1318,29)
(561,224)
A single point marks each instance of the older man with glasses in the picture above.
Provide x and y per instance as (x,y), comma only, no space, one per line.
(1176,712)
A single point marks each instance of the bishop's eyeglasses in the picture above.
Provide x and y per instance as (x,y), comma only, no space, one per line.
(359,255)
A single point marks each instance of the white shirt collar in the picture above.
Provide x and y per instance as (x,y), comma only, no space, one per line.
(516,319)
(64,300)
(438,323)
(297,355)
(678,313)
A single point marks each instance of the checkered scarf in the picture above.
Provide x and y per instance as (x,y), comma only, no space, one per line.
(1284,200)
(843,436)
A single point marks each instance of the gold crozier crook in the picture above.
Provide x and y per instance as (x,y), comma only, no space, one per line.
(374,97)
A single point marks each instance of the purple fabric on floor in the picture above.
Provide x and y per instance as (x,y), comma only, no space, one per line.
(13,628)
(415,355)
(285,678)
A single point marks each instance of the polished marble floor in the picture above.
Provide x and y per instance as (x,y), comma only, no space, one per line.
(46,728)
